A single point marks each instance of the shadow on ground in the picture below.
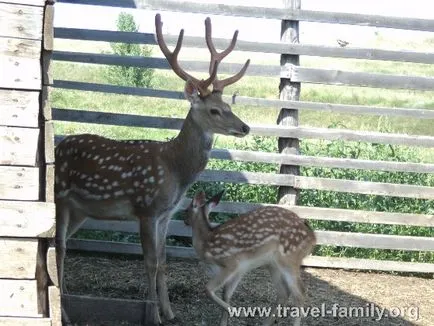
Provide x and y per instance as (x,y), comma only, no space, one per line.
(123,277)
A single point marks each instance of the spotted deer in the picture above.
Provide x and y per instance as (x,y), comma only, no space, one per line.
(269,236)
(141,180)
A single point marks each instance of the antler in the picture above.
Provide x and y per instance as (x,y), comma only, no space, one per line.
(172,58)
(216,58)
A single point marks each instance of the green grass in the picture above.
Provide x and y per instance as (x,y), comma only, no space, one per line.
(268,88)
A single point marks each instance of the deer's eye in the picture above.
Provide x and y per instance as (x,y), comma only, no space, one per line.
(215,112)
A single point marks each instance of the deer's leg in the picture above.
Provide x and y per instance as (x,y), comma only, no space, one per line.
(163,293)
(228,291)
(282,290)
(217,282)
(67,223)
(148,238)
(292,279)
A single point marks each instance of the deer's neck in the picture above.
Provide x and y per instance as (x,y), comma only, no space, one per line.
(189,151)
(201,230)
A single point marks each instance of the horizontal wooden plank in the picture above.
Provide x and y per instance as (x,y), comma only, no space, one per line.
(320,161)
(246,177)
(305,160)
(18,258)
(20,73)
(342,134)
(269,13)
(39,3)
(19,108)
(19,146)
(21,321)
(368,264)
(177,228)
(262,130)
(313,261)
(18,298)
(89,309)
(330,238)
(29,219)
(21,21)
(365,187)
(19,183)
(346,239)
(301,182)
(296,74)
(331,107)
(20,48)
(365,79)
(198,42)
(243,100)
(161,63)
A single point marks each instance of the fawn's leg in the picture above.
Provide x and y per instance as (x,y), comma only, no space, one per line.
(228,291)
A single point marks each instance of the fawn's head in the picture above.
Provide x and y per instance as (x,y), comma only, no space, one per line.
(208,109)
(199,207)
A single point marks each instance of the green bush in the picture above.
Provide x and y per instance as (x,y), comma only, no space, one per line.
(129,76)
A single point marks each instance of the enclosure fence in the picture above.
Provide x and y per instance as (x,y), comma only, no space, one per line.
(290,75)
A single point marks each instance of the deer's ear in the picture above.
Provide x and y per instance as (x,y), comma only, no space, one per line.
(199,199)
(190,91)
(214,200)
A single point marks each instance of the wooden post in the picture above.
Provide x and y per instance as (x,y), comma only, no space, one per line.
(289,91)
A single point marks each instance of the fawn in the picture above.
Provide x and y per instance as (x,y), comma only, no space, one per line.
(269,236)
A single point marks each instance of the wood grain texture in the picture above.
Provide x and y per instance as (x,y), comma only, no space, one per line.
(19,258)
(197,42)
(313,261)
(19,146)
(27,219)
(21,21)
(19,183)
(289,91)
(21,321)
(48,31)
(19,108)
(20,63)
(262,130)
(52,266)
(20,48)
(19,298)
(55,304)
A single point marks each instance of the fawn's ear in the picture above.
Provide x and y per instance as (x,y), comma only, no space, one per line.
(214,200)
(199,199)
(191,91)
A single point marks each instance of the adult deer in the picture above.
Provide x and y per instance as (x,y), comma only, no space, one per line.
(107,179)
(269,236)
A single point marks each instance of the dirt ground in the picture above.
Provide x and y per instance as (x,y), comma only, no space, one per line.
(123,277)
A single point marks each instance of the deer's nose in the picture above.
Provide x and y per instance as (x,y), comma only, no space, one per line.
(245,128)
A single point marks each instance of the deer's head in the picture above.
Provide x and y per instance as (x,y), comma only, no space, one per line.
(208,109)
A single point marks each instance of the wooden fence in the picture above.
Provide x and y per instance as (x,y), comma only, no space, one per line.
(290,75)
(29,295)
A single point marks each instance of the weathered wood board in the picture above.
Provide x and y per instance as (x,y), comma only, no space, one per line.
(18,298)
(20,67)
(28,219)
(21,321)
(19,108)
(19,257)
(21,21)
(55,304)
(19,183)
(19,146)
